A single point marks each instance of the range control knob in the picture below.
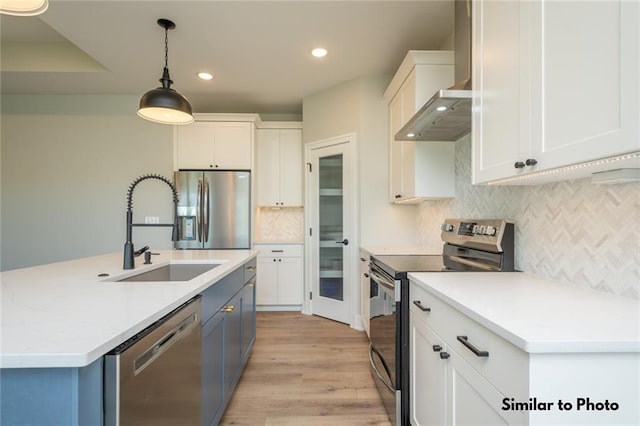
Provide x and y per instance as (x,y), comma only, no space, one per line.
(481,230)
(447,227)
(491,230)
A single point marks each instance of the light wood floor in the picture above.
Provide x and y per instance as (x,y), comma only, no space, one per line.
(306,370)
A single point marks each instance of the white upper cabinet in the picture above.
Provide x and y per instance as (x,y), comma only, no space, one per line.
(555,84)
(214,145)
(418,170)
(279,167)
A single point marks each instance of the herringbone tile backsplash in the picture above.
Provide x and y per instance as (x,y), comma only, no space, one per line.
(573,231)
(281,224)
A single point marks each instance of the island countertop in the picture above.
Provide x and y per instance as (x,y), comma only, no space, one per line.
(540,315)
(64,315)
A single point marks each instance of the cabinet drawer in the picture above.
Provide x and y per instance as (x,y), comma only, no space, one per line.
(249,270)
(279,250)
(506,366)
(219,293)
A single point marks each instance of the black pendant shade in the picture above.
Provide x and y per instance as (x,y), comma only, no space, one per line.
(163,104)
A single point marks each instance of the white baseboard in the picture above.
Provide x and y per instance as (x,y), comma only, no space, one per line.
(278,308)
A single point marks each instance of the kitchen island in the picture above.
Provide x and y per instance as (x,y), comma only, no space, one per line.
(522,349)
(58,320)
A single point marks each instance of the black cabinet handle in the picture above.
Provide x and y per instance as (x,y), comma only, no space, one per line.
(398,196)
(444,355)
(519,165)
(437,348)
(476,351)
(421,306)
(531,162)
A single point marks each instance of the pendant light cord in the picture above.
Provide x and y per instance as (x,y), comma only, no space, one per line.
(166,47)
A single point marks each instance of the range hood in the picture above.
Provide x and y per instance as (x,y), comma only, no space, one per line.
(447,115)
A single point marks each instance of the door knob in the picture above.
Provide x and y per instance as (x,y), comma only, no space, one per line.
(345,242)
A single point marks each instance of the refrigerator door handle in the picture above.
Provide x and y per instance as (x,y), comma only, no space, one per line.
(199,210)
(206,205)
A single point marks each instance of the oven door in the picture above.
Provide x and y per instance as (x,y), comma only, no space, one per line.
(383,330)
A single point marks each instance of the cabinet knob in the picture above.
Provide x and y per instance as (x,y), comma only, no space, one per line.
(398,196)
(444,355)
(366,275)
(531,162)
(274,260)
(519,165)
(211,166)
(437,348)
(279,260)
(216,166)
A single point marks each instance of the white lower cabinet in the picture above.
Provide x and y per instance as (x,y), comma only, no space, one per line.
(428,375)
(279,275)
(462,373)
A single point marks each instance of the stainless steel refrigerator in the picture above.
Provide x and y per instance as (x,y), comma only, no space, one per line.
(214,209)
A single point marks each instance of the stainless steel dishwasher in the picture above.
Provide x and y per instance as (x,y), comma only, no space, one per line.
(154,377)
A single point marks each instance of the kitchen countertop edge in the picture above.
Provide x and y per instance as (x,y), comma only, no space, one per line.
(19,339)
(508,320)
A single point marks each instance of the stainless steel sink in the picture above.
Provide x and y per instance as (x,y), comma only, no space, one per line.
(173,272)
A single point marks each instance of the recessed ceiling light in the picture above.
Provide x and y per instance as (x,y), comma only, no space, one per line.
(411,135)
(205,75)
(441,108)
(319,52)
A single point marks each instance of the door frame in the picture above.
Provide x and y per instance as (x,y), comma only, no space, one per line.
(353,290)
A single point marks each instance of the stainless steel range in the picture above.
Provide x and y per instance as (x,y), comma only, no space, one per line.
(469,245)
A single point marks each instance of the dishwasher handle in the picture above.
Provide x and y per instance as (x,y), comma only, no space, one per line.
(164,343)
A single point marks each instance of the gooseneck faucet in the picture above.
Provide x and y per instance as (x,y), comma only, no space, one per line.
(129,262)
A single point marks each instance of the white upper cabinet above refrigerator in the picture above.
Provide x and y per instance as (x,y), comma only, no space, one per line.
(214,145)
(555,84)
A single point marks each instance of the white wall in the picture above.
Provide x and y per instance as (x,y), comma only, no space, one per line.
(357,107)
(67,162)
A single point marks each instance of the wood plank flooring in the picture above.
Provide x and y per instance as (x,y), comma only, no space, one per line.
(306,370)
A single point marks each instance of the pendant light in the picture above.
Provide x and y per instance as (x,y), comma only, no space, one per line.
(23,7)
(165,105)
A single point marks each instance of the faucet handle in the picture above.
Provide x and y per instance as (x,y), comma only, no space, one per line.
(142,250)
(147,257)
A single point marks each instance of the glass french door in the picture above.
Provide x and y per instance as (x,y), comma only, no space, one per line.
(331,228)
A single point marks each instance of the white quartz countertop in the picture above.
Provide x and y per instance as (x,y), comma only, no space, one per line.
(64,315)
(539,315)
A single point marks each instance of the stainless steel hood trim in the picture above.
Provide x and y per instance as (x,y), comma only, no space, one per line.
(429,124)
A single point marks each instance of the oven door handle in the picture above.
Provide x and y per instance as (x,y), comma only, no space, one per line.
(383,281)
(375,369)
(473,263)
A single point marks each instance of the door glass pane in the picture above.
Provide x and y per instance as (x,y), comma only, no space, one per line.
(330,206)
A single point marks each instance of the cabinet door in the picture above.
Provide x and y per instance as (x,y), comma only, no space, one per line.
(291,167)
(213,389)
(500,101)
(472,400)
(585,85)
(428,375)
(232,342)
(232,149)
(365,290)
(248,318)
(290,280)
(267,281)
(395,150)
(195,146)
(268,167)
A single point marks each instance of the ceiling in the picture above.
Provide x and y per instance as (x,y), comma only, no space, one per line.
(258,51)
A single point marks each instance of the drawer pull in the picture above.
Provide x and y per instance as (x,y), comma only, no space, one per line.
(476,351)
(277,251)
(421,306)
(437,348)
(251,268)
(444,355)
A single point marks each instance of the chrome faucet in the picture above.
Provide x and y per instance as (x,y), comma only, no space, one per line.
(129,252)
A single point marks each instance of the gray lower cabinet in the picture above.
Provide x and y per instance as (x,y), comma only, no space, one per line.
(228,335)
